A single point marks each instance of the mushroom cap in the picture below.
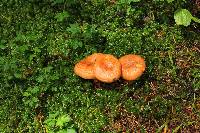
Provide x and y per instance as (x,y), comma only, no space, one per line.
(85,68)
(132,66)
(107,68)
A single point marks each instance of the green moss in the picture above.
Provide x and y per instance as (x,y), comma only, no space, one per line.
(38,52)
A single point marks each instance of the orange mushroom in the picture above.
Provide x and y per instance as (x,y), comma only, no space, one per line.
(85,68)
(107,68)
(132,66)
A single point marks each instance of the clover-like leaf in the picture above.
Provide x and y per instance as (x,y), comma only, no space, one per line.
(183,17)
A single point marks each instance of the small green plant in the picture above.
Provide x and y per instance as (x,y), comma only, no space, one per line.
(57,123)
(54,2)
(196,80)
(62,16)
(127,1)
(184,17)
(57,2)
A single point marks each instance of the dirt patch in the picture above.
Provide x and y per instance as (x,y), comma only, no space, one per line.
(123,122)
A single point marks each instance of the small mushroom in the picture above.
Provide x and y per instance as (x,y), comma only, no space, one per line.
(85,68)
(107,68)
(132,66)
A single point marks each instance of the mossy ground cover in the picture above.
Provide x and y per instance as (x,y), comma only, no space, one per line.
(41,41)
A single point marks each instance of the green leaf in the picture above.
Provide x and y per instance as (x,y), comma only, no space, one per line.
(40,78)
(74,44)
(23,48)
(62,131)
(34,99)
(2,46)
(74,28)
(183,17)
(48,69)
(20,37)
(37,50)
(57,2)
(195,19)
(62,120)
(50,122)
(71,130)
(31,102)
(61,16)
(33,36)
(127,1)
(169,1)
(26,94)
(17,75)
(55,77)
(53,115)
(31,57)
(35,90)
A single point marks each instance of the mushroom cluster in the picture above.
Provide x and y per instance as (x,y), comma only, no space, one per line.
(107,68)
